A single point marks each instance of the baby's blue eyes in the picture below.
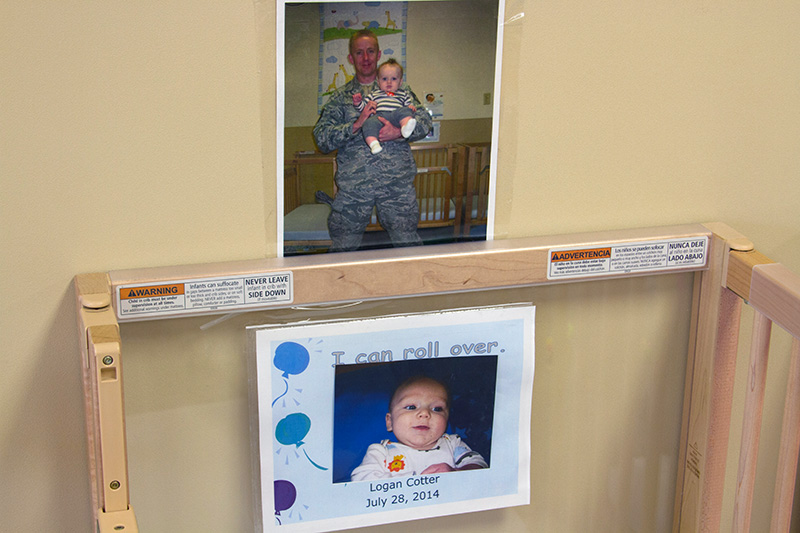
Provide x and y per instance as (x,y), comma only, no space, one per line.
(436,409)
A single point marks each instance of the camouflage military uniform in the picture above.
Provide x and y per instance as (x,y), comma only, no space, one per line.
(384,180)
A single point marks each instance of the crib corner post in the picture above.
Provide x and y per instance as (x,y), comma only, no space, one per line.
(101,364)
(708,392)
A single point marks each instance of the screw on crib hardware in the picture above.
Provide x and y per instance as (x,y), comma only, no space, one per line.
(101,363)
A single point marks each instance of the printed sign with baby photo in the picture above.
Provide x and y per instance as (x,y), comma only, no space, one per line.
(381,420)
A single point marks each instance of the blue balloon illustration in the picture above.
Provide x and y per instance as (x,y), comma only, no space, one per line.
(291,357)
(292,429)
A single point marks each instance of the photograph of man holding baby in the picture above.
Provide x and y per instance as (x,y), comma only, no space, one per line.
(349,185)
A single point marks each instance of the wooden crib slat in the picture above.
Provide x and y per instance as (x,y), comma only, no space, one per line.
(719,411)
(470,188)
(751,428)
(789,448)
(291,187)
(476,184)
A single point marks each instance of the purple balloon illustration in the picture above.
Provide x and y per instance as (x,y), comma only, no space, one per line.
(285,495)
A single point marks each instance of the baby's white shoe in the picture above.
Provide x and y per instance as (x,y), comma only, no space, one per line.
(408,127)
(375,147)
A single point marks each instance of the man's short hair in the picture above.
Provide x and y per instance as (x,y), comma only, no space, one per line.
(361,33)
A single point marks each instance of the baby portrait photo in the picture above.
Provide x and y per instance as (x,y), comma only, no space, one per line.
(413,417)
(370,157)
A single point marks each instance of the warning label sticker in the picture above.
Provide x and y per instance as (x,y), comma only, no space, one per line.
(625,258)
(207,294)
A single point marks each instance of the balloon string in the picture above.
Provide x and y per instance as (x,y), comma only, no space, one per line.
(312,462)
(285,382)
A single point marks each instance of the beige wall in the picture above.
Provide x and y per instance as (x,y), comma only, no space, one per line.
(132,136)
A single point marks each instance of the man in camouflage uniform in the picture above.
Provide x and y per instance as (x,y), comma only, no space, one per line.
(384,180)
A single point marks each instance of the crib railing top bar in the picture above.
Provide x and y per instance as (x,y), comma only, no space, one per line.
(740,270)
(319,159)
(424,270)
(775,292)
(766,286)
(488,249)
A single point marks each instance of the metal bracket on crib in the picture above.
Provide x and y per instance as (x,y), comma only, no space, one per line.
(101,363)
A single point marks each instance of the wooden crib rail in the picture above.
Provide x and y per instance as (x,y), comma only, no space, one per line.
(438,183)
(476,185)
(731,274)
(101,364)
(773,292)
(379,274)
